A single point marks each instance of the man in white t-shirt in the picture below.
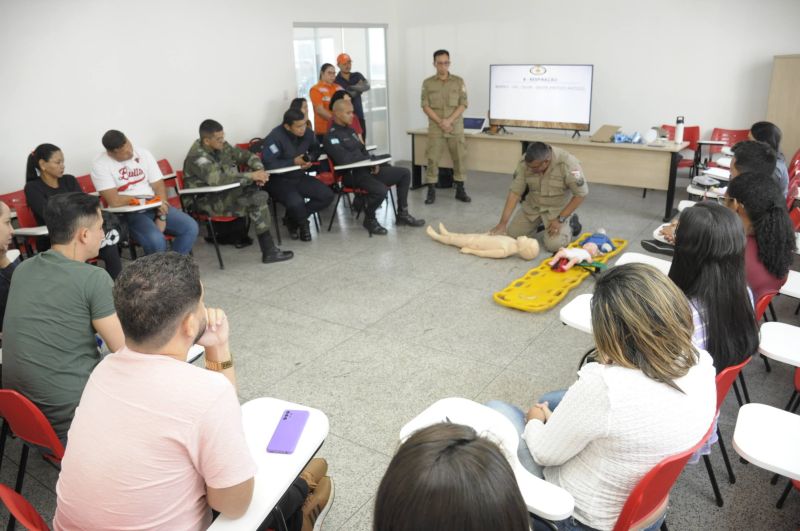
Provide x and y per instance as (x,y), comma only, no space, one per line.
(157,443)
(124,172)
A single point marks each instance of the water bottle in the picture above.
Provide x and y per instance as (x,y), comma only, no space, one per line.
(679,130)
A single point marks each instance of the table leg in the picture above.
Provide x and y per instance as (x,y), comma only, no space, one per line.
(416,169)
(669,211)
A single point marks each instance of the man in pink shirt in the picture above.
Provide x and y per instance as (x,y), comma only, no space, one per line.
(156,442)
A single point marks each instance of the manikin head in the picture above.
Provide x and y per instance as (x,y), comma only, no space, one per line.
(591,248)
(527,248)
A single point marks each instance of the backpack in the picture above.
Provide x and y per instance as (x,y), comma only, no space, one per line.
(256,146)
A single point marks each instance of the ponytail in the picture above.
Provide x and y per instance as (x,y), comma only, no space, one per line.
(42,152)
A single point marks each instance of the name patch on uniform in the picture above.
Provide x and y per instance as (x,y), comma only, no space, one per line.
(274,149)
(334,140)
(202,160)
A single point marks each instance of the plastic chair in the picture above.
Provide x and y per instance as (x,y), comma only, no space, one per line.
(21,510)
(794,215)
(86,184)
(170,182)
(204,217)
(649,497)
(341,190)
(794,162)
(691,134)
(791,195)
(26,421)
(25,218)
(725,380)
(729,136)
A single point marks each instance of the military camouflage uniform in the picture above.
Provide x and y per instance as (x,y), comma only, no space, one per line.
(206,167)
(443,97)
(548,194)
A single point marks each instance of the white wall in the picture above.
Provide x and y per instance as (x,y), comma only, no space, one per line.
(155,69)
(152,69)
(709,60)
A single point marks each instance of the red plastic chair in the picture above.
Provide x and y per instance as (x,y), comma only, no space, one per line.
(794,187)
(86,184)
(649,497)
(729,136)
(204,217)
(794,163)
(691,134)
(21,510)
(725,380)
(170,181)
(27,422)
(26,220)
(341,190)
(794,215)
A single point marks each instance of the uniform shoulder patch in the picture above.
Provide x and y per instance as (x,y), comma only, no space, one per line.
(202,160)
(334,140)
(579,180)
(274,149)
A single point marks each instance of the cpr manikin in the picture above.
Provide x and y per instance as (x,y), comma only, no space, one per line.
(486,245)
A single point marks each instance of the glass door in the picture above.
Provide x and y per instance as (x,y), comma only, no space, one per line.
(315,45)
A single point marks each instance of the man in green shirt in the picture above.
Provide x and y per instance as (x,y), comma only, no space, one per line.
(56,304)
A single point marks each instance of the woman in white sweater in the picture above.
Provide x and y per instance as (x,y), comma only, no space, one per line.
(650,395)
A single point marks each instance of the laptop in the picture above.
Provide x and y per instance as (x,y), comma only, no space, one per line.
(605,133)
(473,126)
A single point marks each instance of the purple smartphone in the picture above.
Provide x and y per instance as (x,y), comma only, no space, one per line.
(288,432)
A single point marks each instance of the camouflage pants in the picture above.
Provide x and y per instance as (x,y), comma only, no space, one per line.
(250,201)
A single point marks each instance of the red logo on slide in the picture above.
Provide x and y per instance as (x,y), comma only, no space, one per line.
(538,70)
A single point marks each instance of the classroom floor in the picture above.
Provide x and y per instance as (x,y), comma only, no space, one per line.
(373,330)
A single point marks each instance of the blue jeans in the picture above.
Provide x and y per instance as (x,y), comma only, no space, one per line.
(179,224)
(517,418)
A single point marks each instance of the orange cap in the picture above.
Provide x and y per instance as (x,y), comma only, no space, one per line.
(342,58)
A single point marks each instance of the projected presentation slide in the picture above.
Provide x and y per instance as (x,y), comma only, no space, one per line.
(545,96)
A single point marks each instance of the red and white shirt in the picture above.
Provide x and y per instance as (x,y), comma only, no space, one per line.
(131,177)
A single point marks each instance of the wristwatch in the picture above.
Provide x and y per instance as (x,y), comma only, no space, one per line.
(162,217)
(219,365)
(562,219)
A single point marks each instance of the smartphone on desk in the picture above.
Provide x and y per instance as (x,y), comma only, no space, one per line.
(290,427)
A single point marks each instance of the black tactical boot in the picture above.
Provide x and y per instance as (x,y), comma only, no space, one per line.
(461,193)
(404,218)
(305,231)
(431,197)
(373,227)
(270,253)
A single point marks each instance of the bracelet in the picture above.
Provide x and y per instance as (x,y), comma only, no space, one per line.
(219,365)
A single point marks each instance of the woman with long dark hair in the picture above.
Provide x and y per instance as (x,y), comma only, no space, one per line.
(770,134)
(44,176)
(301,104)
(758,201)
(321,95)
(709,267)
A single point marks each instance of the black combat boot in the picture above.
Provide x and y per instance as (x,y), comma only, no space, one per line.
(461,193)
(431,197)
(305,231)
(270,253)
(373,227)
(404,218)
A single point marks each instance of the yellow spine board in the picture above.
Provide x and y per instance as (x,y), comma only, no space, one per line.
(542,288)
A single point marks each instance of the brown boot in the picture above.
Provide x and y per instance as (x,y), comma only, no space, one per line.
(317,505)
(314,471)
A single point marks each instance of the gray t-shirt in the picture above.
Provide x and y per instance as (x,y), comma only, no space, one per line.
(49,345)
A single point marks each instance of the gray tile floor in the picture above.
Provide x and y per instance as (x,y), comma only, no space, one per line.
(373,330)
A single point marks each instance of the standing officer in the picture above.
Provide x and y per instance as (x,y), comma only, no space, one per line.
(556,187)
(212,162)
(355,84)
(444,99)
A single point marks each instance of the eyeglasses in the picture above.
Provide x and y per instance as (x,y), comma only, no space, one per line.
(443,63)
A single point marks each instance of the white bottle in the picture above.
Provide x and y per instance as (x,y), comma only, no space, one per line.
(679,130)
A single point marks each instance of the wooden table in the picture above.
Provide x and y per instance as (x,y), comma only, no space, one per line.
(634,165)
